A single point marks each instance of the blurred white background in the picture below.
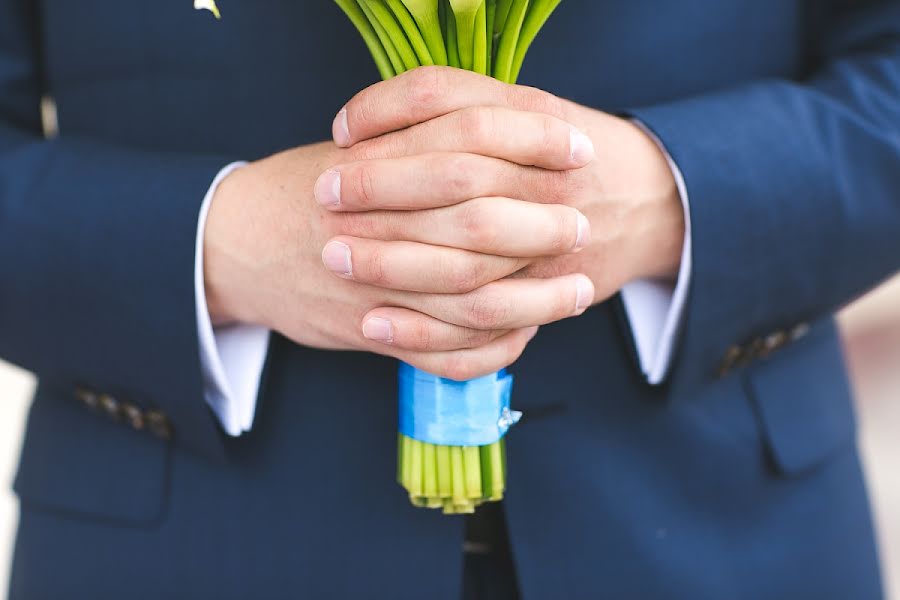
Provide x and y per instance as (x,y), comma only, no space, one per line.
(15,390)
(872,336)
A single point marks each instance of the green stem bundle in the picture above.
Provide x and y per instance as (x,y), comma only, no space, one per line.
(456,479)
(484,36)
(487,37)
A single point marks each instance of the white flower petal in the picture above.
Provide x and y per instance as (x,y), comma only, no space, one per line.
(209,5)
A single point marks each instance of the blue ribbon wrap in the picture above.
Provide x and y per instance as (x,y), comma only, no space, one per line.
(455,413)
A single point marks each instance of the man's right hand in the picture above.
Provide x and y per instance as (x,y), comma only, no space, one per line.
(449,311)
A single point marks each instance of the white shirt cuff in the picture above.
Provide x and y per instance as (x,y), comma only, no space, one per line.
(232,357)
(655,309)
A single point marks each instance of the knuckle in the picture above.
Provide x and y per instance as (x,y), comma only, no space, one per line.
(365,186)
(477,226)
(426,88)
(477,124)
(551,135)
(563,232)
(487,311)
(364,107)
(563,303)
(458,175)
(464,276)
(421,336)
(376,268)
(468,277)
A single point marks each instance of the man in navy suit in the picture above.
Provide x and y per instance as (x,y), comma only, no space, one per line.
(180,264)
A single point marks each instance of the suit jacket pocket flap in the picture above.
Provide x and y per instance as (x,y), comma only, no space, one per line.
(80,462)
(803,401)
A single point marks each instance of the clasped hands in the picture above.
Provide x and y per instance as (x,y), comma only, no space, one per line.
(453,214)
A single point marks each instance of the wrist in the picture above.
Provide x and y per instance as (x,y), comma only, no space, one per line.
(223,264)
(657,217)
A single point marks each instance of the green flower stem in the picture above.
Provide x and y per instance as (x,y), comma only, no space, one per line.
(481,46)
(415,469)
(427,16)
(472,459)
(385,18)
(401,463)
(452,40)
(429,466)
(506,52)
(466,12)
(411,29)
(491,16)
(488,476)
(373,43)
(387,44)
(498,472)
(410,450)
(503,7)
(503,460)
(537,16)
(458,475)
(445,477)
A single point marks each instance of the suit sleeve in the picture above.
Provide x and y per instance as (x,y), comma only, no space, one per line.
(794,187)
(97,253)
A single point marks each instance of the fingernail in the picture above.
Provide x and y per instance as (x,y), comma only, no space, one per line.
(584,294)
(340,129)
(328,189)
(379,330)
(583,235)
(532,331)
(336,257)
(581,148)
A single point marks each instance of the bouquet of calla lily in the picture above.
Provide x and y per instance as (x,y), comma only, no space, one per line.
(490,37)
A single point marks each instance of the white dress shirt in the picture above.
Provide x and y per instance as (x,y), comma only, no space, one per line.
(655,308)
(233,357)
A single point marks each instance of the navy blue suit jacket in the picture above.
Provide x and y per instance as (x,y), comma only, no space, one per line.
(737,479)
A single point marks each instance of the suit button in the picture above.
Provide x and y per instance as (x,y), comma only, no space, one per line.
(756,349)
(134,415)
(775,341)
(158,424)
(109,405)
(88,398)
(799,331)
(733,356)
